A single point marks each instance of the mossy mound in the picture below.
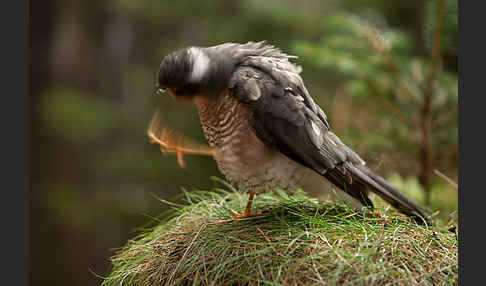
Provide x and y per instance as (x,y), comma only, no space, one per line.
(295,241)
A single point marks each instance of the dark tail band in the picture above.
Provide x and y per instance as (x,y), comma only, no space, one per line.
(387,192)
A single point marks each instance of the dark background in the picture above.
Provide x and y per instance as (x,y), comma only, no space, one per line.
(93,66)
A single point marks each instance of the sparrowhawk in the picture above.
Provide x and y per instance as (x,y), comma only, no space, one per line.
(263,127)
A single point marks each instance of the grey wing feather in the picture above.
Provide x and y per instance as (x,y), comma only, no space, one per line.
(287,101)
(285,117)
(286,122)
(283,71)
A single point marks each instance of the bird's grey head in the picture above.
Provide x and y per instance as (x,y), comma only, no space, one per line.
(193,71)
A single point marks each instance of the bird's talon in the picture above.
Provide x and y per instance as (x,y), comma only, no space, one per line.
(245,214)
(180,159)
(173,143)
(235,214)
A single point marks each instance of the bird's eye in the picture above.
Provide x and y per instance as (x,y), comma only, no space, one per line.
(160,90)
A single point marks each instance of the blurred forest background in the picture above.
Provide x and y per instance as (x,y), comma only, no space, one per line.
(385,72)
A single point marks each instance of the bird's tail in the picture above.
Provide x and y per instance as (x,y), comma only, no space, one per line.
(387,192)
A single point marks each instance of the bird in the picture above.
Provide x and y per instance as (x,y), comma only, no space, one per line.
(263,128)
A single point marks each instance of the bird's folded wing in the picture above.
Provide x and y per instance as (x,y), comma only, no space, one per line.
(284,118)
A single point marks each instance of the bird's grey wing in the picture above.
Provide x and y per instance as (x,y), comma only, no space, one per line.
(273,62)
(285,117)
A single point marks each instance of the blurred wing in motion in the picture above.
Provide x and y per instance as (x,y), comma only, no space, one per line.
(172,142)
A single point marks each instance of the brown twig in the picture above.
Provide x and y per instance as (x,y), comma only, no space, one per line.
(378,245)
(447,179)
(268,240)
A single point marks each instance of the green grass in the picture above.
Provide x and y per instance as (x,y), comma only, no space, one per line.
(295,241)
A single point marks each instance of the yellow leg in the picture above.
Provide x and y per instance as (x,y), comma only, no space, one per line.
(171,142)
(247,212)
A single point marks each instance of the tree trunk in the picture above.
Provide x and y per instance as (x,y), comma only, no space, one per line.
(426,144)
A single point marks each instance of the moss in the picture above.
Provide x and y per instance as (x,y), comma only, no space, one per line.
(294,241)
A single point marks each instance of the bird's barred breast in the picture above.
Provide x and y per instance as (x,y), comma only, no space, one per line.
(241,156)
(245,160)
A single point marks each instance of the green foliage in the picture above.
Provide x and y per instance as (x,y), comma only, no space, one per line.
(82,211)
(294,241)
(77,116)
(382,66)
